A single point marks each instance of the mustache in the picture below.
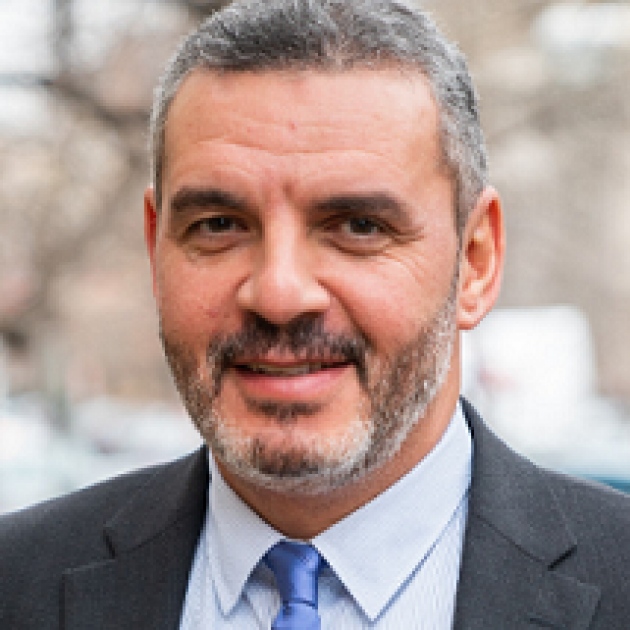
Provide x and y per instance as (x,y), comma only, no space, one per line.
(304,338)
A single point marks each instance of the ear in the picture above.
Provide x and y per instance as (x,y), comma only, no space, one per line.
(150,231)
(481,266)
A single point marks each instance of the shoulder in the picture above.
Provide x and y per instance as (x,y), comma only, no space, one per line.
(39,543)
(557,545)
(501,476)
(594,510)
(577,527)
(586,505)
(597,519)
(533,504)
(74,517)
(76,514)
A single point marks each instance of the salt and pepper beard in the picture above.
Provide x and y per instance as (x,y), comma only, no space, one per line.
(398,391)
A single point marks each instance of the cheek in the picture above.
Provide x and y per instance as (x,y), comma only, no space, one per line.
(385,310)
(192,303)
(391,302)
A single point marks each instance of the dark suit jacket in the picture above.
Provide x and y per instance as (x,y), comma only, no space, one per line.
(541,550)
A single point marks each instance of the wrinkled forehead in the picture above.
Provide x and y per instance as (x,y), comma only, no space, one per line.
(305,110)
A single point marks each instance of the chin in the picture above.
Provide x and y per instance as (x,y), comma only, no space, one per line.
(289,459)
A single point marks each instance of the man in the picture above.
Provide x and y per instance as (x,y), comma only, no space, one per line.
(320,228)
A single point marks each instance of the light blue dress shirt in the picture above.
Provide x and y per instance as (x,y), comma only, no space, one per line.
(392,564)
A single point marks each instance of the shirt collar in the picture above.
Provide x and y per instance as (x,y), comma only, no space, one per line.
(237,540)
(374,550)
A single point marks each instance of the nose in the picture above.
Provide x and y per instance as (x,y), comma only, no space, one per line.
(283,283)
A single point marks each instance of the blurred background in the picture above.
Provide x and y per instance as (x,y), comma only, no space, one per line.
(84,390)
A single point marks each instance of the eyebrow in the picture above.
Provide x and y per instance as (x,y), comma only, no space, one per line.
(373,203)
(188,198)
(381,203)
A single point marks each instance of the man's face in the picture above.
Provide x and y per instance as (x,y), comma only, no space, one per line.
(305,268)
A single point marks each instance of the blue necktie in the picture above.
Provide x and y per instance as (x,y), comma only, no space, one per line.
(296,567)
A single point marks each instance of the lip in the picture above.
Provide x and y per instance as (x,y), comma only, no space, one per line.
(299,387)
(283,360)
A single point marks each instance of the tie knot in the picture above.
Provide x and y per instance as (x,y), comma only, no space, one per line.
(296,567)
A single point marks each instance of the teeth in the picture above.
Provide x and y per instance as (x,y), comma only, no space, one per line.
(293,370)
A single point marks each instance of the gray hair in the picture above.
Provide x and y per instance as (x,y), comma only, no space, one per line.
(336,35)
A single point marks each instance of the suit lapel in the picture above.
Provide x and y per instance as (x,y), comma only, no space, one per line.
(516,541)
(153,540)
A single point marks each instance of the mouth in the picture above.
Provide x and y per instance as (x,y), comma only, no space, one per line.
(288,370)
(290,381)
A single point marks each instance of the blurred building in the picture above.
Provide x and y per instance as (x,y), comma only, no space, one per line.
(76,312)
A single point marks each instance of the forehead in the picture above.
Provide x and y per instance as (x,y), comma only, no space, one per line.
(304,133)
(303,110)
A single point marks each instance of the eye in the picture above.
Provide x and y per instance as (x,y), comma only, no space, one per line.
(359,234)
(218,225)
(361,226)
(216,233)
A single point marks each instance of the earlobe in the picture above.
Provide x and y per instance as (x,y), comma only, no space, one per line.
(150,231)
(481,266)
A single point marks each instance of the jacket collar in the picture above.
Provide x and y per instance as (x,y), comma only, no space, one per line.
(152,540)
(517,539)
